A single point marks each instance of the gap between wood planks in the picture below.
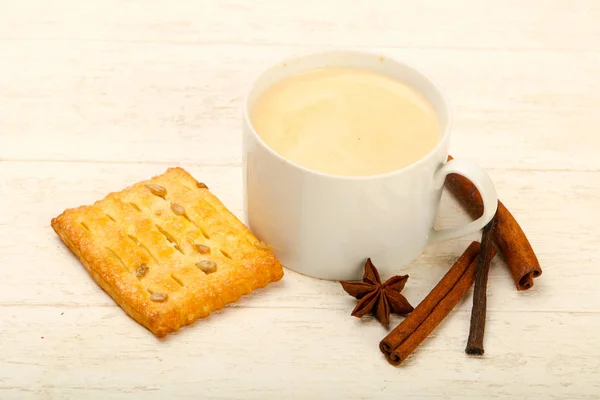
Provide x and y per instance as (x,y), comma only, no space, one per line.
(236,164)
(458,311)
(371,47)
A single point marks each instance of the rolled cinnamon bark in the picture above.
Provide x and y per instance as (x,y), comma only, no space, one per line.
(422,311)
(508,235)
(437,314)
(479,310)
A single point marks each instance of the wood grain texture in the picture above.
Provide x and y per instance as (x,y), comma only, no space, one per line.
(96,96)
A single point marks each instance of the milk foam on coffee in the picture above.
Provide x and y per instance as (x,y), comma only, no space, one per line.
(348,122)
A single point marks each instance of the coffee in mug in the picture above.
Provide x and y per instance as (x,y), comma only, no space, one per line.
(346,121)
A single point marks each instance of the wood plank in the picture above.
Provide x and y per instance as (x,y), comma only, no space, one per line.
(51,275)
(96,352)
(512,24)
(121,101)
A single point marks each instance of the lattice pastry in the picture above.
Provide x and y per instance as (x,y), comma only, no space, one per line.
(167,251)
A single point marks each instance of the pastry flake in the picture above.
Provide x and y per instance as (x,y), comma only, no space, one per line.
(167,251)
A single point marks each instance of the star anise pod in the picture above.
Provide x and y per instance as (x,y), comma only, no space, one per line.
(378,298)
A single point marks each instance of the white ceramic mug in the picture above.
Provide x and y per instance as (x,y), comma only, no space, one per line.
(325,226)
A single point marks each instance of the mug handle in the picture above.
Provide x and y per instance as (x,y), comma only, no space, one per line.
(486,189)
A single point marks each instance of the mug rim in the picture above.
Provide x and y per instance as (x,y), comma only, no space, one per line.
(434,86)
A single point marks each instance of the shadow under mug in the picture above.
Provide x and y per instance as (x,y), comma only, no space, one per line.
(325,226)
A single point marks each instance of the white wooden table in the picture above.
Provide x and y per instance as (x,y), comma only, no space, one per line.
(97,95)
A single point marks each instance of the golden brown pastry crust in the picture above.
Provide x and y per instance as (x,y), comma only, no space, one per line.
(141,241)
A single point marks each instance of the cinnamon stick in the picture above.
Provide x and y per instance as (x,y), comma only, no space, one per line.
(508,235)
(399,343)
(437,315)
(424,308)
(478,312)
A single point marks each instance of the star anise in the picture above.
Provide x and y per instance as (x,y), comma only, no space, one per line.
(380,299)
